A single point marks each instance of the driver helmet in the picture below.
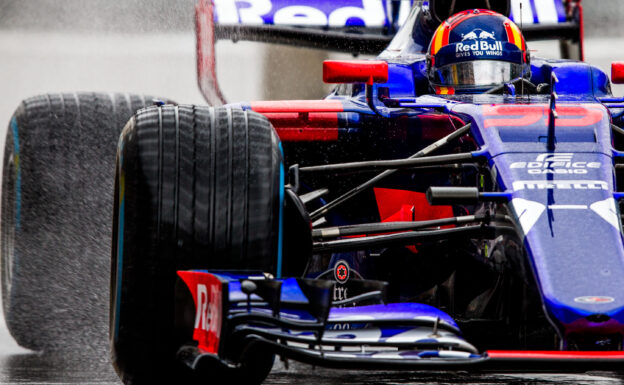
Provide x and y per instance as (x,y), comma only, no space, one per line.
(475,50)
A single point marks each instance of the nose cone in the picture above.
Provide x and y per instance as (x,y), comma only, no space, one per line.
(579,263)
(591,315)
(573,238)
(576,251)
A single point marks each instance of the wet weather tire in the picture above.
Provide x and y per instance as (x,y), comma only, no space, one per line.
(197,188)
(56,210)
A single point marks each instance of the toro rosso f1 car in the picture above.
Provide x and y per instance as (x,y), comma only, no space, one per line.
(451,205)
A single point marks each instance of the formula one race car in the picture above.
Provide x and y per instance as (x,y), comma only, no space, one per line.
(450,205)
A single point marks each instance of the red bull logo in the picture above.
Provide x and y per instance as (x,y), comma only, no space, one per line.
(479,46)
(207,292)
(479,34)
(594,299)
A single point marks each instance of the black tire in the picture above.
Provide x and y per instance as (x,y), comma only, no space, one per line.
(197,188)
(56,210)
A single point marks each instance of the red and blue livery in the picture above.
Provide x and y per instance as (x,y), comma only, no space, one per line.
(407,226)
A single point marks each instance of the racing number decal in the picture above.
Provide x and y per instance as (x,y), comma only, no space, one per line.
(522,116)
(207,291)
(505,116)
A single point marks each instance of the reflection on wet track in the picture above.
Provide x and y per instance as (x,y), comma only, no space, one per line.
(33,368)
(303,374)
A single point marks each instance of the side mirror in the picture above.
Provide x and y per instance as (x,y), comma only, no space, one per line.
(617,72)
(355,71)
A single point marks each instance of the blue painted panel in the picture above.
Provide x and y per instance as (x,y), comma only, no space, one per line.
(564,204)
(400,80)
(575,78)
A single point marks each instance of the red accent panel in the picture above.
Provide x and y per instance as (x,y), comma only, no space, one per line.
(510,35)
(437,126)
(298,106)
(355,71)
(293,127)
(445,39)
(403,205)
(406,206)
(555,355)
(617,72)
(302,120)
(207,291)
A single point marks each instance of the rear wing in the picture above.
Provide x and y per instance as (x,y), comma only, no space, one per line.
(359,26)
(552,20)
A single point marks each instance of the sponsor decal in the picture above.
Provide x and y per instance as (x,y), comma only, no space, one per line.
(506,115)
(207,292)
(560,185)
(479,48)
(561,163)
(478,34)
(207,312)
(341,271)
(477,43)
(344,326)
(341,275)
(340,293)
(345,13)
(597,299)
(208,316)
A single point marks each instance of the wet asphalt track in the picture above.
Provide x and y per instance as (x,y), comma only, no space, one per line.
(36,62)
(31,368)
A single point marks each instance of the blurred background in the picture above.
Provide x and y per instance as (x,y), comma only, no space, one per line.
(148,46)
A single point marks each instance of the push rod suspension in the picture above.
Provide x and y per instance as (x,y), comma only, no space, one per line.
(617,129)
(406,238)
(379,177)
(393,164)
(388,227)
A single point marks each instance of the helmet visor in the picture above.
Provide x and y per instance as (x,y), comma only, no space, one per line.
(478,73)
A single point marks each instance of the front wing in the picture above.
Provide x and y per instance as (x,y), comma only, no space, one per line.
(294,318)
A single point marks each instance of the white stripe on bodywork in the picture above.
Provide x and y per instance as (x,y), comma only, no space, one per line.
(425,334)
(527,12)
(546,11)
(352,318)
(528,212)
(404,11)
(567,207)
